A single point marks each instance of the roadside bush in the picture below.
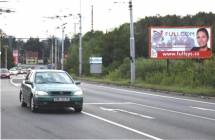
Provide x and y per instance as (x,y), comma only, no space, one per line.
(145,67)
(189,73)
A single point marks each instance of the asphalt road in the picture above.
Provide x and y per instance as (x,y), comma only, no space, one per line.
(110,113)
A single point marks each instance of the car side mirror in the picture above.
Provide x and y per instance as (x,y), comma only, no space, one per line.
(77,82)
(29,82)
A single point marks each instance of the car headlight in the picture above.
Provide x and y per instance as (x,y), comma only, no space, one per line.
(79,93)
(41,93)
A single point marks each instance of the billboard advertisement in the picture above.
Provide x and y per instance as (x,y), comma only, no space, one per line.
(180,42)
(15,57)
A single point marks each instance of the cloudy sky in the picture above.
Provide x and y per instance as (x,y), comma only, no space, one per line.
(30,16)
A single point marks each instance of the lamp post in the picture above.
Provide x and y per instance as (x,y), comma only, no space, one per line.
(55,53)
(52,52)
(92,16)
(6,56)
(132,43)
(62,44)
(80,47)
(5,47)
(55,40)
(62,51)
(0,45)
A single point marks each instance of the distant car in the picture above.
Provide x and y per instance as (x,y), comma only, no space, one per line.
(13,71)
(41,67)
(20,70)
(4,73)
(50,89)
(24,70)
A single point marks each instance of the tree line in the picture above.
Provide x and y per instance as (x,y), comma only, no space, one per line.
(113,46)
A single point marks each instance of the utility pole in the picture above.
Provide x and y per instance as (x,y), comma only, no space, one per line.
(75,31)
(62,44)
(52,55)
(132,44)
(92,16)
(0,42)
(56,53)
(80,48)
(6,56)
(62,51)
(80,43)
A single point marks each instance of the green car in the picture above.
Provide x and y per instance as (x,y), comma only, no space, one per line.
(50,89)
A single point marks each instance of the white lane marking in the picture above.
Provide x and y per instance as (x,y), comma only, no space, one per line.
(205,109)
(122,126)
(108,103)
(144,93)
(16,77)
(11,81)
(20,77)
(108,109)
(125,111)
(187,114)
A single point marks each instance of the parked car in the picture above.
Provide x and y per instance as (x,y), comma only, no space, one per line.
(13,71)
(50,89)
(4,73)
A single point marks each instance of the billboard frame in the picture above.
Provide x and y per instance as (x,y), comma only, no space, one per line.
(180,27)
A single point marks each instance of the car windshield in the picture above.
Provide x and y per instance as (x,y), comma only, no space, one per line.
(12,69)
(52,77)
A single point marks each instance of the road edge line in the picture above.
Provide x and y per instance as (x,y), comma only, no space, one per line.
(122,126)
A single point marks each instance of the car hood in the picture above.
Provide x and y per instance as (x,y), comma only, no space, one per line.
(57,87)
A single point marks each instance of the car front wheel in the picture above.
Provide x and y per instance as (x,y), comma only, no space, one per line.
(78,109)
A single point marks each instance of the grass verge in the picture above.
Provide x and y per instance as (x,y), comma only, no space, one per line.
(192,91)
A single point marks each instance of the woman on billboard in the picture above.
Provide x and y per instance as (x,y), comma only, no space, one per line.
(202,40)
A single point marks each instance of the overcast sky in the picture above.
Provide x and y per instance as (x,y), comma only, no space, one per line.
(29,16)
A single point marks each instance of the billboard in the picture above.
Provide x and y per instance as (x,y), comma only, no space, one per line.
(180,42)
(95,65)
(15,57)
(95,60)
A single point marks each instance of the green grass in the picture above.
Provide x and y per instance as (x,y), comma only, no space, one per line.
(193,91)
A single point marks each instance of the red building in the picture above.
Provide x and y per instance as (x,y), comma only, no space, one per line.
(31,57)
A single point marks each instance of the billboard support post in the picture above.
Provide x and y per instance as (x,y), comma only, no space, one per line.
(200,63)
(167,66)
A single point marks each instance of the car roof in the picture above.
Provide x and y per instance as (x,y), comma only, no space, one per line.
(4,69)
(47,70)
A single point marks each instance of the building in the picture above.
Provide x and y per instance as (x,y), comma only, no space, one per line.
(31,57)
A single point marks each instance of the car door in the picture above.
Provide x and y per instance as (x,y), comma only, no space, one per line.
(30,87)
(24,87)
(27,88)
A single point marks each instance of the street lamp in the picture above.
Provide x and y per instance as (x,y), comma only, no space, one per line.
(62,43)
(5,47)
(92,16)
(80,47)
(132,43)
(62,52)
(62,27)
